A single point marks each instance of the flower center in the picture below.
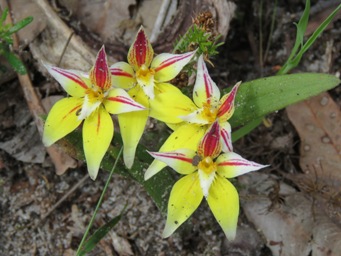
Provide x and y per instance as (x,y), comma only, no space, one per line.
(144,73)
(210,112)
(207,165)
(95,95)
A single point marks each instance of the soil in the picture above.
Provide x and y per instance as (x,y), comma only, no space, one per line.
(30,187)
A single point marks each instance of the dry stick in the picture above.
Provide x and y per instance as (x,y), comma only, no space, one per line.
(35,106)
(76,42)
(77,185)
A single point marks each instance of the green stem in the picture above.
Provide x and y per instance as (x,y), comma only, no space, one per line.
(99,203)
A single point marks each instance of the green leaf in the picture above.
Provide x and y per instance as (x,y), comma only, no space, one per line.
(260,97)
(19,25)
(295,57)
(15,62)
(3,17)
(98,235)
(246,129)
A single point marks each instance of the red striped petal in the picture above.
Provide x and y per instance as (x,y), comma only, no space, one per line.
(141,51)
(210,144)
(227,103)
(100,74)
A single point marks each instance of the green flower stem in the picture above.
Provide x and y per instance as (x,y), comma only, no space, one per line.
(99,202)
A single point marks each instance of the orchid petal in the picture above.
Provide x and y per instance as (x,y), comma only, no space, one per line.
(225,137)
(141,51)
(62,119)
(223,200)
(180,160)
(231,165)
(210,144)
(132,126)
(119,101)
(71,80)
(99,74)
(89,106)
(205,90)
(186,136)
(226,108)
(206,180)
(98,131)
(170,103)
(167,66)
(185,198)
(146,81)
(196,117)
(122,75)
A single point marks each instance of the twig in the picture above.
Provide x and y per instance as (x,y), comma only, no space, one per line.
(76,42)
(60,159)
(77,185)
(160,20)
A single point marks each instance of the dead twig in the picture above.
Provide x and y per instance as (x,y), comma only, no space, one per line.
(61,161)
(77,185)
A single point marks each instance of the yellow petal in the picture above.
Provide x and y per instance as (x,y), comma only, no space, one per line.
(98,131)
(141,51)
(180,160)
(62,119)
(167,66)
(185,198)
(186,136)
(119,101)
(223,200)
(71,80)
(132,127)
(205,91)
(231,165)
(170,103)
(122,75)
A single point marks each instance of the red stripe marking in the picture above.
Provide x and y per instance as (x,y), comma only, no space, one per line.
(170,61)
(98,122)
(177,156)
(119,72)
(125,101)
(236,163)
(228,103)
(72,110)
(226,138)
(71,76)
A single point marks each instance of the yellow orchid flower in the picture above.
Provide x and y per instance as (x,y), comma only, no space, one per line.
(146,77)
(209,107)
(206,172)
(92,99)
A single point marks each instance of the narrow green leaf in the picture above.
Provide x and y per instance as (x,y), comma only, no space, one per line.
(98,235)
(246,129)
(295,58)
(3,17)
(260,97)
(19,25)
(15,62)
(319,31)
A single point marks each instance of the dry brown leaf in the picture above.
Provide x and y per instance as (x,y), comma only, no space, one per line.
(318,123)
(287,227)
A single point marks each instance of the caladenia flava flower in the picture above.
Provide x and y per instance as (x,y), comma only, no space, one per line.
(93,99)
(208,108)
(206,172)
(146,77)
